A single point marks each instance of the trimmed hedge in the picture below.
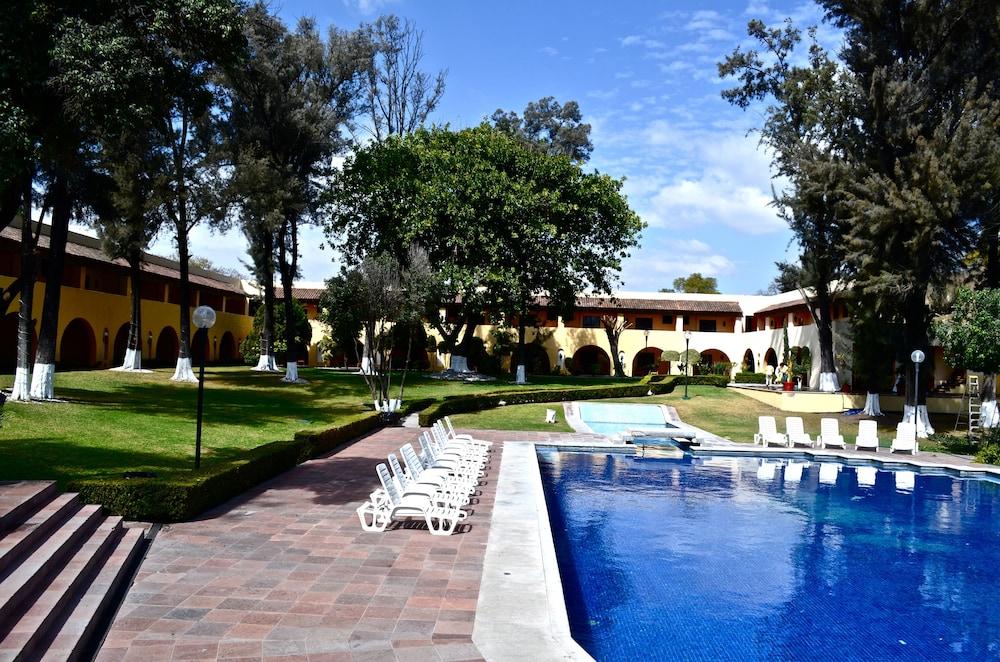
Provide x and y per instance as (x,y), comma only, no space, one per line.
(182,497)
(749,378)
(460,404)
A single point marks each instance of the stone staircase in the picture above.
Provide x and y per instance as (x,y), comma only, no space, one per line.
(64,567)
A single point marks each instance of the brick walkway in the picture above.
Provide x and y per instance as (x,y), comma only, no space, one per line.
(285,573)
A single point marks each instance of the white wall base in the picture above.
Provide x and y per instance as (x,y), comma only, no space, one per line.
(872,406)
(291,373)
(266,363)
(919,417)
(183,371)
(42,381)
(989,417)
(132,362)
(521,376)
(22,385)
(459,363)
(828,382)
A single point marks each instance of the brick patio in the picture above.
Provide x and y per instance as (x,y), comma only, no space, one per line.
(285,573)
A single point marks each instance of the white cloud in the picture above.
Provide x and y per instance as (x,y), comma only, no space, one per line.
(639,40)
(716,200)
(548,50)
(368,6)
(603,95)
(658,263)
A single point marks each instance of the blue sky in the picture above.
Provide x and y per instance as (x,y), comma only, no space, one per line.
(645,77)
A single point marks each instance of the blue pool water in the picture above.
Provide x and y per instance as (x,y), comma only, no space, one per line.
(614,418)
(722,559)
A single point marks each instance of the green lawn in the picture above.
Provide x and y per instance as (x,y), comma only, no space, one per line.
(514,417)
(113,422)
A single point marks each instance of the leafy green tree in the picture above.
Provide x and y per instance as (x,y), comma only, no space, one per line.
(504,223)
(695,284)
(899,142)
(300,332)
(289,105)
(970,336)
(555,128)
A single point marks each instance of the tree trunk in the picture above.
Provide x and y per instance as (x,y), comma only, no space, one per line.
(45,355)
(183,372)
(521,367)
(460,357)
(266,270)
(615,359)
(25,323)
(287,256)
(821,307)
(133,352)
(989,417)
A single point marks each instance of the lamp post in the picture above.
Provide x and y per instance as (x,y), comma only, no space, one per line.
(687,362)
(204,319)
(917,357)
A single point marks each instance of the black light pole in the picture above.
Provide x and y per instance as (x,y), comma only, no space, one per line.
(204,319)
(687,362)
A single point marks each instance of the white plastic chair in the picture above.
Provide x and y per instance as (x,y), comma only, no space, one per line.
(550,416)
(906,439)
(450,432)
(829,434)
(828,472)
(390,503)
(768,432)
(866,476)
(867,436)
(457,492)
(797,436)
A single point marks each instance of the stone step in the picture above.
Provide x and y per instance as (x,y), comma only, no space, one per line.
(18,500)
(19,588)
(36,627)
(20,542)
(77,638)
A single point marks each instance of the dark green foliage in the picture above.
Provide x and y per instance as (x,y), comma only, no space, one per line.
(552,127)
(989,446)
(250,347)
(970,335)
(750,378)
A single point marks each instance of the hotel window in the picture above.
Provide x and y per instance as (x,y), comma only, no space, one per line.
(708,326)
(668,319)
(591,322)
(644,323)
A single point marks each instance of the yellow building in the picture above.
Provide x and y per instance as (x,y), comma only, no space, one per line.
(95,307)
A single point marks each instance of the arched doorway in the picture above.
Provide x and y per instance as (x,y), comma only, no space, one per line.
(771,357)
(713,362)
(591,360)
(647,360)
(121,344)
(8,348)
(78,347)
(536,360)
(227,348)
(167,346)
(748,362)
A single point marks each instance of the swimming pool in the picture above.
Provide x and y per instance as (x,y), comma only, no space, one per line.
(747,559)
(615,418)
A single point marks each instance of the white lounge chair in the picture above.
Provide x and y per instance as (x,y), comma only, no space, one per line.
(828,472)
(867,436)
(905,480)
(550,416)
(390,503)
(424,472)
(906,439)
(797,436)
(456,447)
(768,432)
(452,434)
(866,476)
(829,434)
(459,493)
(456,459)
(793,471)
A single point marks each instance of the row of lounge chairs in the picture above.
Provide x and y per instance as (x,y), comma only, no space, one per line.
(436,484)
(829,436)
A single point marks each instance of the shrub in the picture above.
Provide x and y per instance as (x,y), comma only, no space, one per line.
(749,378)
(989,449)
